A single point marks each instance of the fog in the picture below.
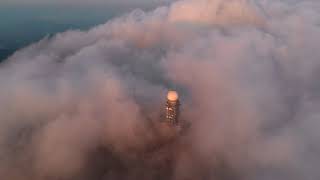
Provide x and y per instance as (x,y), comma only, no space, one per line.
(88,104)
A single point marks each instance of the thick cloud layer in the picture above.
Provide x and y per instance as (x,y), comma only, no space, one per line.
(87,105)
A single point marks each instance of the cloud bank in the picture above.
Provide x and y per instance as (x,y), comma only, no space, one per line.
(85,105)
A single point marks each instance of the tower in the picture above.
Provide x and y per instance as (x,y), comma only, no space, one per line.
(172,108)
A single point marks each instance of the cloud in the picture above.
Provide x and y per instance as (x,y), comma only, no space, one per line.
(86,105)
(214,12)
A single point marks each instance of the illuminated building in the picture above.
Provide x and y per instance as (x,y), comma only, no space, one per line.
(172,108)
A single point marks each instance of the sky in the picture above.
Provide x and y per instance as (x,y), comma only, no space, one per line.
(25,22)
(87,103)
(79,2)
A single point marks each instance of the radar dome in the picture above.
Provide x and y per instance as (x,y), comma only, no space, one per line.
(173,96)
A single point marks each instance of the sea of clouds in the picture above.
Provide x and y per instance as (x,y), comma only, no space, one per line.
(248,74)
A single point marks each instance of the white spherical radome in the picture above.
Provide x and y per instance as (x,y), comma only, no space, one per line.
(173,96)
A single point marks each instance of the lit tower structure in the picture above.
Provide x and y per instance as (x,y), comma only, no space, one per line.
(172,108)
